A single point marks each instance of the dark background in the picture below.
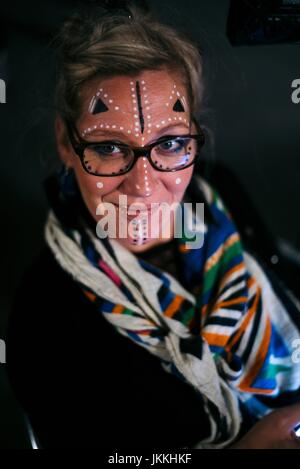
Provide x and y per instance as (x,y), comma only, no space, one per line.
(247,106)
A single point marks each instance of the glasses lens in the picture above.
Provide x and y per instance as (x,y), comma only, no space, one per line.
(174,153)
(107,158)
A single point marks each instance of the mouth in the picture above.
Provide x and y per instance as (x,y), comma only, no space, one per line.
(137,210)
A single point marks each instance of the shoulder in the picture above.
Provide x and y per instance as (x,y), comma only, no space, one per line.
(42,276)
(45,313)
(44,289)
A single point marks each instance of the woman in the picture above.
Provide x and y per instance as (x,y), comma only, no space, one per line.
(137,332)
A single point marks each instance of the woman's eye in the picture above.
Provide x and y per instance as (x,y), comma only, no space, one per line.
(172,145)
(107,149)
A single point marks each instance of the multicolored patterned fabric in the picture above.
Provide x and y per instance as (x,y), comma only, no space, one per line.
(232,340)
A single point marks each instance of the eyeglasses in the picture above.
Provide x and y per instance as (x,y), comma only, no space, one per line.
(112,158)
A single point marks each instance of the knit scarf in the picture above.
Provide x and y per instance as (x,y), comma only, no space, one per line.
(232,340)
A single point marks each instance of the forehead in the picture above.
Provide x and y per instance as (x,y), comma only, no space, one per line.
(137,105)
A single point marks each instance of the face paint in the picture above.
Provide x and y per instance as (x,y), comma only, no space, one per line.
(137,118)
(146,180)
(178,107)
(140,232)
(137,115)
(97,106)
(141,117)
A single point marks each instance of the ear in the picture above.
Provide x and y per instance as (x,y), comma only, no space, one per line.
(64,148)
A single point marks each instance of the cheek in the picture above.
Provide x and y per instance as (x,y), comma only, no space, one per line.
(94,188)
(177,182)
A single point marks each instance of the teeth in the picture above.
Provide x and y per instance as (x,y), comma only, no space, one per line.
(139,207)
(136,210)
(133,209)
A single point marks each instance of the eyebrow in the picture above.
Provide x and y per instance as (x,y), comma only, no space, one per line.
(117,133)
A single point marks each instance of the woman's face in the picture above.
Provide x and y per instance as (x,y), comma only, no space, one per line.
(136,111)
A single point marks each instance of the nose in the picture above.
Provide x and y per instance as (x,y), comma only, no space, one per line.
(142,180)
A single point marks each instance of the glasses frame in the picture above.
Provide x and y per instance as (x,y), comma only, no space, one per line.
(80,145)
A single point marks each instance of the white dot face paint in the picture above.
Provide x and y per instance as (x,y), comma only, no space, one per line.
(139,224)
(130,119)
(141,91)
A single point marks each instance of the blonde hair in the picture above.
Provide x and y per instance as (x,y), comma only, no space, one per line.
(97,43)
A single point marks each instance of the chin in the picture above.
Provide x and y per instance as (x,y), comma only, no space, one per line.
(142,244)
(139,246)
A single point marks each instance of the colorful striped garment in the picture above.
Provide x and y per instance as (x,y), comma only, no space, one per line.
(232,340)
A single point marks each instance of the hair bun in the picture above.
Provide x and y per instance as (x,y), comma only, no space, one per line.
(115,37)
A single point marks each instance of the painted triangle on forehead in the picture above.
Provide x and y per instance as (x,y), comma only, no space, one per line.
(99,106)
(178,107)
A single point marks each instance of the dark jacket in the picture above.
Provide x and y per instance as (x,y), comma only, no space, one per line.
(83,384)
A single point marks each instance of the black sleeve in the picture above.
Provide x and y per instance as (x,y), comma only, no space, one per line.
(84,385)
(40,353)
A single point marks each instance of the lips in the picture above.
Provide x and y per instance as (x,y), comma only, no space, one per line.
(139,206)
(139,209)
